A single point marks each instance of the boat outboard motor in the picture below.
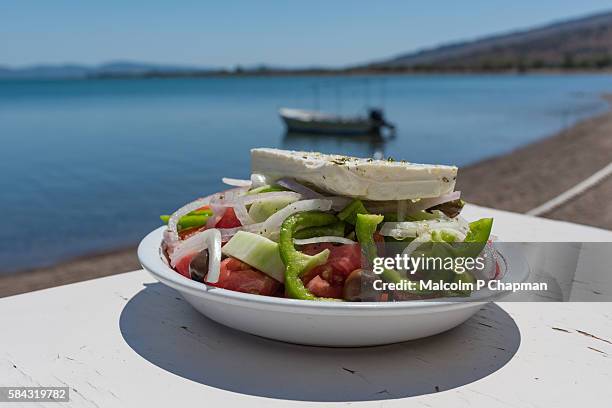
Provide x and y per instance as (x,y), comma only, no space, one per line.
(377,116)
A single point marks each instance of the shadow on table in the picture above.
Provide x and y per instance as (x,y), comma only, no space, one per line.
(160,326)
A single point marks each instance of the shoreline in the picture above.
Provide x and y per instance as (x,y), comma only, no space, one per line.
(524,178)
(540,171)
(323,74)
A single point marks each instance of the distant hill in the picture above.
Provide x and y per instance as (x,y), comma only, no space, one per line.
(111,69)
(573,44)
(581,43)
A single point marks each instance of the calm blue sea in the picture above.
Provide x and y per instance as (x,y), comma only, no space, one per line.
(88,166)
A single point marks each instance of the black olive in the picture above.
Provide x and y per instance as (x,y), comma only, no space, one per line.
(359,286)
(198,267)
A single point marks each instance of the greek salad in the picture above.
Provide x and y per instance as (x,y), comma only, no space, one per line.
(287,235)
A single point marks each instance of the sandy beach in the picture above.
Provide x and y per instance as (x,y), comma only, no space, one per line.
(522,180)
(538,172)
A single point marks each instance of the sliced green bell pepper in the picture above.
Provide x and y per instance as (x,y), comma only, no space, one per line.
(479,230)
(476,238)
(336,229)
(365,227)
(349,213)
(296,262)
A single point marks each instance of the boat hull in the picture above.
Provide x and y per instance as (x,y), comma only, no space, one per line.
(319,127)
(303,121)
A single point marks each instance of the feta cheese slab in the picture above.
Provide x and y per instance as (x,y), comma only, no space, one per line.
(367,179)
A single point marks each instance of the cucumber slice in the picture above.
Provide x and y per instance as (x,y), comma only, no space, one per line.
(261,210)
(257,251)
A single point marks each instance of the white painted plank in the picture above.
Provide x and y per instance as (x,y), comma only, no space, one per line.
(153,348)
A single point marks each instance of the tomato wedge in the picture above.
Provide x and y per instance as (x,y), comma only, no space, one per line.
(327,280)
(322,288)
(238,276)
(229,219)
(182,266)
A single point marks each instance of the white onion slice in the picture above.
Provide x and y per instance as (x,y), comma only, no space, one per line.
(208,239)
(293,185)
(227,233)
(338,203)
(406,229)
(318,240)
(239,202)
(218,212)
(398,233)
(272,225)
(242,214)
(212,200)
(464,226)
(172,235)
(417,242)
(409,206)
(236,182)
(273,195)
(228,197)
(426,203)
(258,180)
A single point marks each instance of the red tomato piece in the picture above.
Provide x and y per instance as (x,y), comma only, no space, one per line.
(229,219)
(342,260)
(322,288)
(186,233)
(182,266)
(240,277)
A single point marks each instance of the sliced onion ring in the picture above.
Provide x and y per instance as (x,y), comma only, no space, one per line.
(242,214)
(410,207)
(426,203)
(208,239)
(236,182)
(273,195)
(293,185)
(172,235)
(227,233)
(417,242)
(272,225)
(258,180)
(338,203)
(227,197)
(406,229)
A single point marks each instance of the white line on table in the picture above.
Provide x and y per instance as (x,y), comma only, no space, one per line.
(572,192)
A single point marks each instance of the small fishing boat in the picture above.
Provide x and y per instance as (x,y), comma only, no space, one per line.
(305,121)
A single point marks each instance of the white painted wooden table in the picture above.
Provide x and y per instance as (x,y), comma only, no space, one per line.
(128,341)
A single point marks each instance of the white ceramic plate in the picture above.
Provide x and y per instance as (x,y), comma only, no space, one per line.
(336,324)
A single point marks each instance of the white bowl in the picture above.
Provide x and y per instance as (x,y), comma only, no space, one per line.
(335,324)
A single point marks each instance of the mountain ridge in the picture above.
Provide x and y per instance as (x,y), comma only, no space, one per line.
(583,42)
(107,69)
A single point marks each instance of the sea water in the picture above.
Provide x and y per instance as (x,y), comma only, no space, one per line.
(89,165)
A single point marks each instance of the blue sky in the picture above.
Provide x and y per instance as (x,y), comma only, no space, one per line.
(226,33)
